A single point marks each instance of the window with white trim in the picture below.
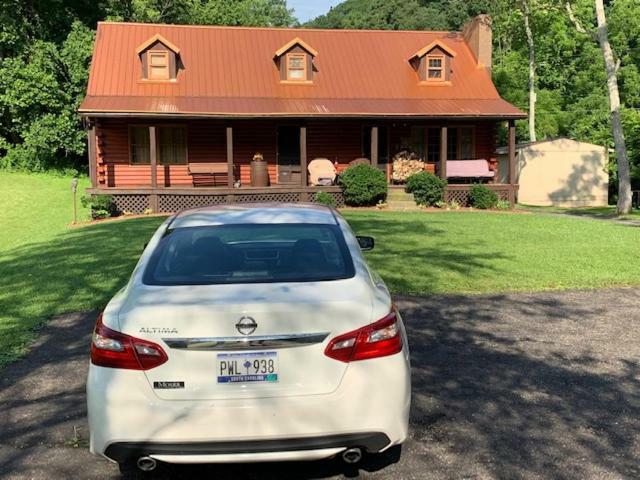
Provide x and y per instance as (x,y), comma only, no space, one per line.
(435,68)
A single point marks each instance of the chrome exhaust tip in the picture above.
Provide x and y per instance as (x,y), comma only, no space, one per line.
(146,464)
(352,455)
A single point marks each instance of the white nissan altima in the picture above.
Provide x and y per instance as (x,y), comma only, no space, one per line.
(248,334)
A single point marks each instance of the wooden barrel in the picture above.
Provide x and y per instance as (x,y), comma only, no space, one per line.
(259,173)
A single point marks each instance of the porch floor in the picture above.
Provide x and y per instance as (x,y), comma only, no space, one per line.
(222,190)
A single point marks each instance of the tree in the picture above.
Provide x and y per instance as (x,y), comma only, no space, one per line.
(45,50)
(526,14)
(383,15)
(601,35)
(272,13)
(40,92)
(268,13)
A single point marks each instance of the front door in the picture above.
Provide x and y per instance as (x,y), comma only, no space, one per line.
(289,169)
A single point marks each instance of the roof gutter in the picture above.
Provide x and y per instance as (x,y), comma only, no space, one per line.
(248,116)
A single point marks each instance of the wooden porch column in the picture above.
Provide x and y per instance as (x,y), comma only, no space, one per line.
(442,171)
(511,178)
(231,180)
(91,151)
(303,157)
(153,160)
(374,146)
(512,152)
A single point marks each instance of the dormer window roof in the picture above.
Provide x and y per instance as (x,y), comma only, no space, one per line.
(295,62)
(157,38)
(433,63)
(159,59)
(433,45)
(296,42)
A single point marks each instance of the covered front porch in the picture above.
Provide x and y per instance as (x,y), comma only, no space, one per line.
(149,163)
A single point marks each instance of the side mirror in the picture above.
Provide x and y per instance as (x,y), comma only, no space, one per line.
(366,243)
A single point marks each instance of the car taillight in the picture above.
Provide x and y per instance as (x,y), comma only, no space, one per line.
(116,350)
(379,339)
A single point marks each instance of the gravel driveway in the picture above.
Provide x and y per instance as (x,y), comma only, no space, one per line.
(512,386)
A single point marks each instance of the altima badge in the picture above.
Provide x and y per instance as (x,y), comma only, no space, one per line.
(246,325)
(162,330)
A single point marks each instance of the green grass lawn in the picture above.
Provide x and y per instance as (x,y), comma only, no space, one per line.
(36,206)
(47,268)
(483,252)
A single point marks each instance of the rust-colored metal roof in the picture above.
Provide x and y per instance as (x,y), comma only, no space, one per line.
(230,71)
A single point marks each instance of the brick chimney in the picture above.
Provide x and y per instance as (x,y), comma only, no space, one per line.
(477,33)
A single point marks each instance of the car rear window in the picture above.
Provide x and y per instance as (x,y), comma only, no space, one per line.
(253,253)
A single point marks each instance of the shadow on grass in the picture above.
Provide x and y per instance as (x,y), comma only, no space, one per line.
(414,256)
(600,213)
(75,271)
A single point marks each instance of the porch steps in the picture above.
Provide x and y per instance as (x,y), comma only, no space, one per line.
(398,199)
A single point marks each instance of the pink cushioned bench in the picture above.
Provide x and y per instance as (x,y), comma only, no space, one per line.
(469,169)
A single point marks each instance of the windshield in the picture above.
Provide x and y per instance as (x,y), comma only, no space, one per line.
(250,253)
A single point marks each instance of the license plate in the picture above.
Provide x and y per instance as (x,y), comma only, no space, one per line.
(247,367)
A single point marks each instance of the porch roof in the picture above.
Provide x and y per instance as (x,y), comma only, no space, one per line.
(299,107)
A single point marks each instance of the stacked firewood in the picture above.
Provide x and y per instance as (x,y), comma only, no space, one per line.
(405,164)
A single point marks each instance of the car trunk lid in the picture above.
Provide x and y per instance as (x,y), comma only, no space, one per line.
(199,328)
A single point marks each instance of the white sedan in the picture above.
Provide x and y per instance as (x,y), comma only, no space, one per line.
(246,334)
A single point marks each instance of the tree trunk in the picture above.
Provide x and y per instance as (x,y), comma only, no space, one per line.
(526,12)
(624,179)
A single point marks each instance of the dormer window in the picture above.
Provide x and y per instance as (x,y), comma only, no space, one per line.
(296,67)
(435,68)
(159,59)
(295,62)
(158,65)
(433,63)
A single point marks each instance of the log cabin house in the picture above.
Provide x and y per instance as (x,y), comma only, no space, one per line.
(176,113)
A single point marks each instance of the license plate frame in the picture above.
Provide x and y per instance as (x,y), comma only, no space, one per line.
(247,367)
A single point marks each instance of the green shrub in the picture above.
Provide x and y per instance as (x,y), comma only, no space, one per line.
(482,197)
(427,189)
(503,205)
(102,206)
(363,185)
(325,198)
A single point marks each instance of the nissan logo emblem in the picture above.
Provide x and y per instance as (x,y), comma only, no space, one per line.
(246,325)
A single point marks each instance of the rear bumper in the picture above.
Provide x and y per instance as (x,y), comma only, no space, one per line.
(370,442)
(370,409)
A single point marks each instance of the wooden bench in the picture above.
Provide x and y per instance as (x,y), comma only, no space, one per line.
(209,174)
